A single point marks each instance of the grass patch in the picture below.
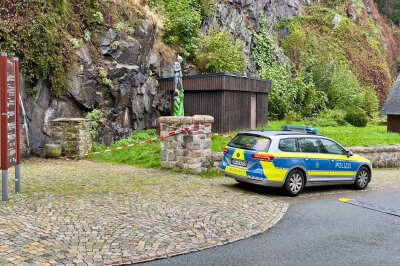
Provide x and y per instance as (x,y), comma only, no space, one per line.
(369,136)
(146,155)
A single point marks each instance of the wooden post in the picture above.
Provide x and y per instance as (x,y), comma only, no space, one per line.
(4,129)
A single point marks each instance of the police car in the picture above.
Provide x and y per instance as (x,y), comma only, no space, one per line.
(293,160)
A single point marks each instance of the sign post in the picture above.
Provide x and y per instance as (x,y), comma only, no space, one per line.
(9,122)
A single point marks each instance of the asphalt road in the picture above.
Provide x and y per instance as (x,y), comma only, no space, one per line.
(316,232)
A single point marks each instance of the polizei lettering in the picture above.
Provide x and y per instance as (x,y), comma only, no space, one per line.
(343,165)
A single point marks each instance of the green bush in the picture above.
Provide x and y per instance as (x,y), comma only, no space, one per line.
(205,7)
(219,53)
(330,118)
(97,118)
(182,25)
(357,117)
(182,21)
(370,102)
(292,117)
(289,93)
(338,83)
(42,34)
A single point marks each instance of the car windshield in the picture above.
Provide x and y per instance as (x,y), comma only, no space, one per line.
(250,142)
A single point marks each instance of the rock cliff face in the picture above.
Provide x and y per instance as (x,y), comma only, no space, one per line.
(133,101)
(242,18)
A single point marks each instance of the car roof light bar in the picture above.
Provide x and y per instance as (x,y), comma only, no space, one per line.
(302,129)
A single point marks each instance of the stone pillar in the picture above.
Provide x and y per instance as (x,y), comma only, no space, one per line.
(191,151)
(74,135)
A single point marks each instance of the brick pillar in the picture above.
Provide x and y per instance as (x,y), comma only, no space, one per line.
(74,135)
(191,151)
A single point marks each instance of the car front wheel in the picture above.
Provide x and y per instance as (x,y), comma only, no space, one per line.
(294,182)
(363,178)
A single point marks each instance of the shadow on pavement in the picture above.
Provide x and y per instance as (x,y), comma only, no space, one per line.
(279,192)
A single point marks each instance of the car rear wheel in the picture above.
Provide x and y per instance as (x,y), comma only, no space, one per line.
(294,182)
(362,179)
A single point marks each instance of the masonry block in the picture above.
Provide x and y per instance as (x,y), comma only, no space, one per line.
(189,150)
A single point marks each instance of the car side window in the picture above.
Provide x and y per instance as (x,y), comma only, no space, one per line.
(332,147)
(309,145)
(287,145)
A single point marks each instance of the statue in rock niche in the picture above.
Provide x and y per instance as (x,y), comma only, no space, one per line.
(179,96)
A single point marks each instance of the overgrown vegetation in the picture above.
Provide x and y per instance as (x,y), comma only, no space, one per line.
(353,51)
(290,93)
(326,67)
(97,118)
(391,9)
(182,20)
(44,33)
(218,53)
(104,79)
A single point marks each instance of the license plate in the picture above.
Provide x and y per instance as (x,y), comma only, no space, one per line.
(239,163)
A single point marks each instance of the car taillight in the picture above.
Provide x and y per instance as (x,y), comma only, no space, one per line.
(263,157)
(226,150)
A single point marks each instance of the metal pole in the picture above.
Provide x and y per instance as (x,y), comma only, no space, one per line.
(17,128)
(4,185)
(18,178)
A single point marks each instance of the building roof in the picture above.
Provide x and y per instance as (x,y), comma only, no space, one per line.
(218,81)
(392,105)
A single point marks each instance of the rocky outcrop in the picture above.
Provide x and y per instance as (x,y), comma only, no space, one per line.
(242,18)
(133,100)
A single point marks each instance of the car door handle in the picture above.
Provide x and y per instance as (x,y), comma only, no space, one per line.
(332,160)
(306,159)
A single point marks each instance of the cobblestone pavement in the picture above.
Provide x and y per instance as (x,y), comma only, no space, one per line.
(86,213)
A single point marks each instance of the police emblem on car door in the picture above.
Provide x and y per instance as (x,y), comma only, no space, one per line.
(316,162)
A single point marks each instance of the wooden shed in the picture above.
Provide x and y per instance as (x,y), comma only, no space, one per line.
(392,108)
(235,102)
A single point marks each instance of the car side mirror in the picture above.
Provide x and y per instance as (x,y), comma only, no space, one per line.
(349,154)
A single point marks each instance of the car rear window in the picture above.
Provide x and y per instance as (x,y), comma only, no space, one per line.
(309,145)
(288,145)
(250,142)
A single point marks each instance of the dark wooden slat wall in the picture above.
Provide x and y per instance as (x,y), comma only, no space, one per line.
(393,123)
(262,109)
(206,103)
(243,84)
(237,111)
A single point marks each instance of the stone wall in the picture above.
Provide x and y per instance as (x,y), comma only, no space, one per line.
(190,151)
(381,157)
(74,135)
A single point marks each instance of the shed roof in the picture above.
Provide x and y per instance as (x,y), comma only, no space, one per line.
(219,81)
(392,105)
